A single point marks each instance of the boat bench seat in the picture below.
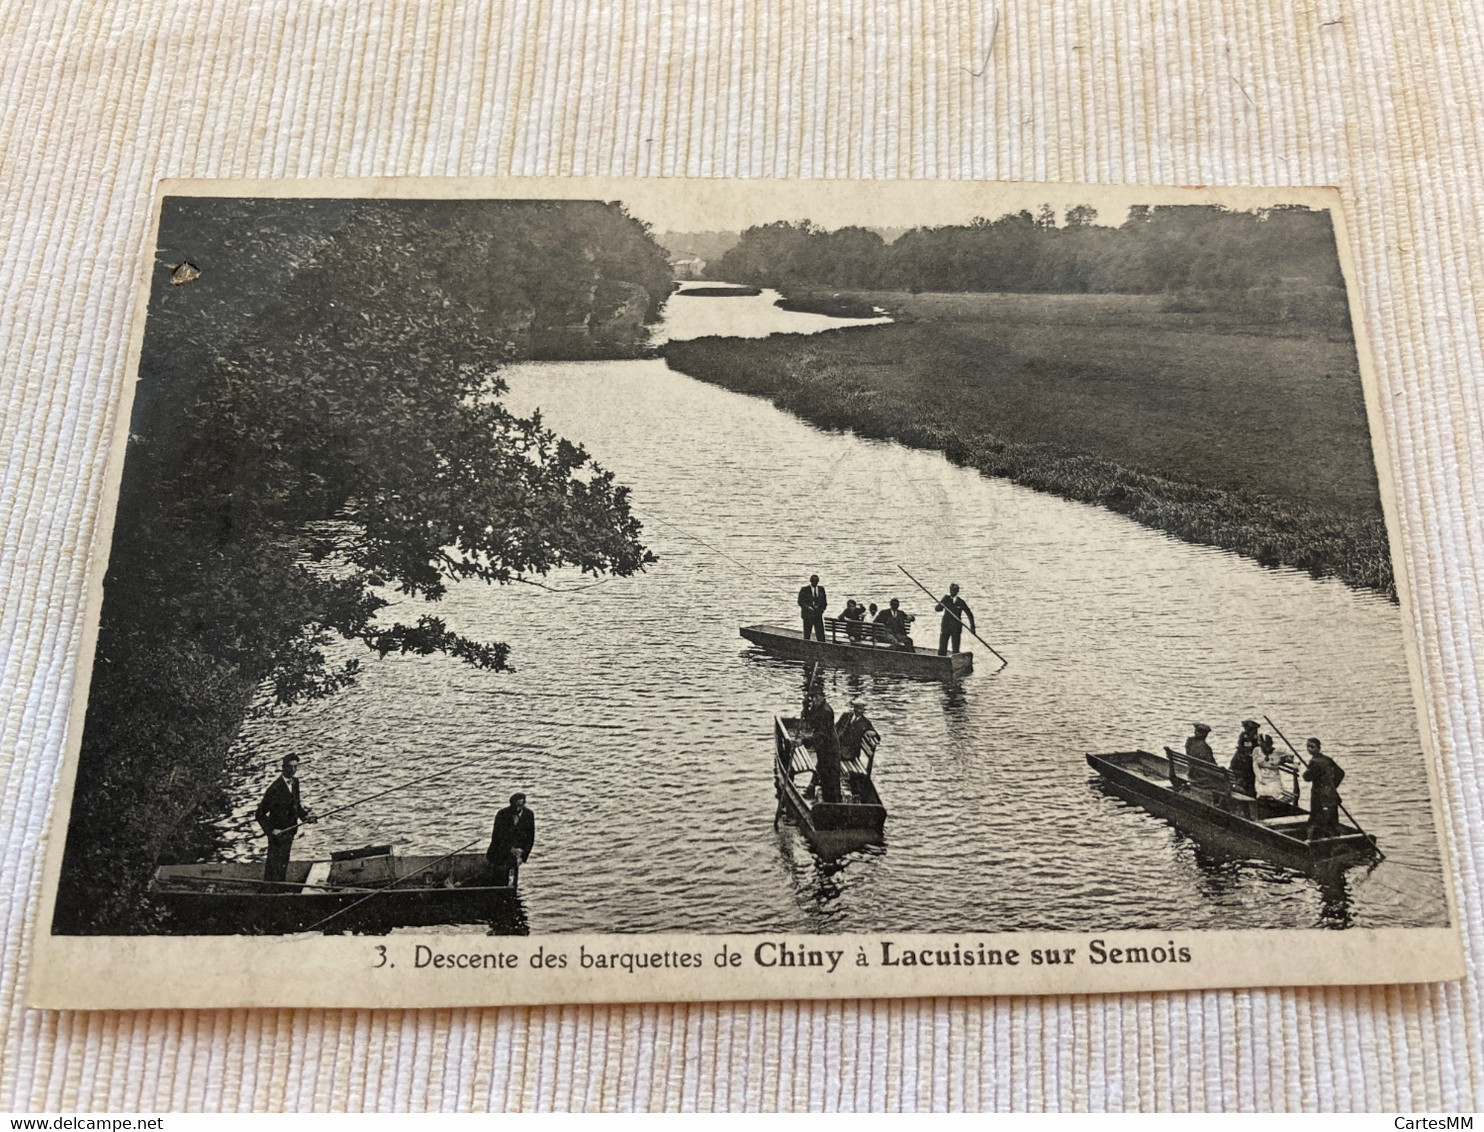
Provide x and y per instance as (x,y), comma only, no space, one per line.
(1286,819)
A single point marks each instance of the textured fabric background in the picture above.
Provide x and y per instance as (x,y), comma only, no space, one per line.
(102,97)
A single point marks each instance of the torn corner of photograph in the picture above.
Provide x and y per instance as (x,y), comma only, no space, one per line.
(537,591)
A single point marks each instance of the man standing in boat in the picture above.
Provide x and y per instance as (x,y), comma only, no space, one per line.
(1244,772)
(280,813)
(820,719)
(955,609)
(511,840)
(812,604)
(1324,795)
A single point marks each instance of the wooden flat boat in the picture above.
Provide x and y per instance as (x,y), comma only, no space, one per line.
(859,817)
(853,644)
(364,890)
(1198,797)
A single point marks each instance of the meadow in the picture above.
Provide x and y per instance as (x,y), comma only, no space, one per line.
(1188,416)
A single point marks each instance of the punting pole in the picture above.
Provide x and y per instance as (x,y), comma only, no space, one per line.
(956,617)
(1380,856)
(387,888)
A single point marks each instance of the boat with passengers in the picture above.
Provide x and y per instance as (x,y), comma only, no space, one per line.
(856,644)
(859,817)
(1201,799)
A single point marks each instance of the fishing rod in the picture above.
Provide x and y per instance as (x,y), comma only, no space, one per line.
(350,805)
(955,616)
(772,582)
(387,888)
(1380,856)
(259,885)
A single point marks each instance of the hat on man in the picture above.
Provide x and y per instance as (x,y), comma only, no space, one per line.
(1249,725)
(1201,728)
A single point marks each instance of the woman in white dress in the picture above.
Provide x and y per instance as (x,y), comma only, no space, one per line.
(1275,772)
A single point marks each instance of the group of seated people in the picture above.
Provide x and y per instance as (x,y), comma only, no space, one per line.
(891,625)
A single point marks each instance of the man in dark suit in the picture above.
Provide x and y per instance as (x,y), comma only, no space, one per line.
(511,840)
(955,609)
(897,625)
(280,813)
(819,717)
(1324,795)
(812,604)
(853,727)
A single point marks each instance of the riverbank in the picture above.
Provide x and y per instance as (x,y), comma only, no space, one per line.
(1252,442)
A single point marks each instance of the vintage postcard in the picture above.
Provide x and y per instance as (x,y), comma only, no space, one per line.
(567,591)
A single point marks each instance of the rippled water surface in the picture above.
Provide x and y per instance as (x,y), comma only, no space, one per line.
(639,723)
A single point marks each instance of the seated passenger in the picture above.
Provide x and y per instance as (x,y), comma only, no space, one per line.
(1275,772)
(852,729)
(897,624)
(854,615)
(1196,747)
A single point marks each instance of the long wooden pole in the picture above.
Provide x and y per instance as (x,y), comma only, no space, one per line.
(1305,763)
(955,616)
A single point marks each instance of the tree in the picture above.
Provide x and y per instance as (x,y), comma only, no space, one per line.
(336,430)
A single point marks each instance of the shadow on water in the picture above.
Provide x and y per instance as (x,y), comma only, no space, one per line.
(1225,879)
(1334,898)
(511,920)
(824,876)
(956,712)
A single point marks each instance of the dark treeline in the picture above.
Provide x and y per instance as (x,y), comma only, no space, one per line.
(317,417)
(1186,249)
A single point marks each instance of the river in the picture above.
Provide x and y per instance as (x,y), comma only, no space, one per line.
(639,723)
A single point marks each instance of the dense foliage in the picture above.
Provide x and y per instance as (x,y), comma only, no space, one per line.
(318,419)
(1185,250)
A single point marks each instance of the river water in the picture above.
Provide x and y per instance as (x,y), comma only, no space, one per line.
(639,723)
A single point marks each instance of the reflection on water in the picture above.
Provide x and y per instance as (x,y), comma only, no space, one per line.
(640,724)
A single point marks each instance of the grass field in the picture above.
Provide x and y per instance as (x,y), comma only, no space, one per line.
(1250,438)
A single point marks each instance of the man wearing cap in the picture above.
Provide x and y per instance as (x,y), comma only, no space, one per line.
(955,609)
(1324,795)
(1244,773)
(1196,747)
(853,727)
(812,604)
(1207,776)
(511,840)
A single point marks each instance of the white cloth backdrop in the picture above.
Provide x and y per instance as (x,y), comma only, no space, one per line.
(102,97)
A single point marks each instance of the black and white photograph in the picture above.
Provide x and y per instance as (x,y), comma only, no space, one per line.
(955,576)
